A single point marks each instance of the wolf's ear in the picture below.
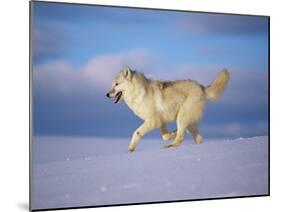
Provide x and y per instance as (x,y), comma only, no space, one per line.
(127,72)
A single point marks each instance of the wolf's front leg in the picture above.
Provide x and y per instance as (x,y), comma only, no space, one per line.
(141,131)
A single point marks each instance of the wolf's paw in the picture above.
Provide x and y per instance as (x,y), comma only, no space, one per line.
(130,149)
(166,137)
(172,145)
(169,136)
(199,139)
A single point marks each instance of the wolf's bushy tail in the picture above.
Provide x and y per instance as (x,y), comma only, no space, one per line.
(215,90)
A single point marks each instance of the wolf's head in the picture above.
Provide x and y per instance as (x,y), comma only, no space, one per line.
(120,84)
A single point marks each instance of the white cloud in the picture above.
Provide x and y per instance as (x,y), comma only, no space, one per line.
(246,88)
(102,69)
(66,78)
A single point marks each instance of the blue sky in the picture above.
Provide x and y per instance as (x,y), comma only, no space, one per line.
(77,49)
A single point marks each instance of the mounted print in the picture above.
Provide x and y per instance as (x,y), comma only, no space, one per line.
(137,105)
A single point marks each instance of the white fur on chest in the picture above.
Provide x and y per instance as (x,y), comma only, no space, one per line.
(138,104)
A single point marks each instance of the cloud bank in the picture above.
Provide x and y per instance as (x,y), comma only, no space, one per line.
(96,74)
(73,97)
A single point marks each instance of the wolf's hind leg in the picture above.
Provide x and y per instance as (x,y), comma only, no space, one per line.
(193,129)
(166,135)
(182,123)
(141,131)
(179,137)
(189,114)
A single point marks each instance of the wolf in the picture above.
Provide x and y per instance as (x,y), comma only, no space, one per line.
(158,103)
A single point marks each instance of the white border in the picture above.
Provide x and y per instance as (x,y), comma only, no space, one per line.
(14,115)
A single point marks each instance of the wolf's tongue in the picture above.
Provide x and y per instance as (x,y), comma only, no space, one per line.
(117,97)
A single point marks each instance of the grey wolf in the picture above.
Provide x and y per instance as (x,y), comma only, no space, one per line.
(158,103)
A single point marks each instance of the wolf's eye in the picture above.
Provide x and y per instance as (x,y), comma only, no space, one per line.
(116,84)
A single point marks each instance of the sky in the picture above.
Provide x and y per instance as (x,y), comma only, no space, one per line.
(78,49)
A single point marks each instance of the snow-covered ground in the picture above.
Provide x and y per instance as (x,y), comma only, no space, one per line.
(75,171)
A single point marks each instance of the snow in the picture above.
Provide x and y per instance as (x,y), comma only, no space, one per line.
(86,171)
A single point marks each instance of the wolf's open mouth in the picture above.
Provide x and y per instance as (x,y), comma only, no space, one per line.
(117,97)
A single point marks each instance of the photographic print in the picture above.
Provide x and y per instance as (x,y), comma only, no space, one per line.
(137,105)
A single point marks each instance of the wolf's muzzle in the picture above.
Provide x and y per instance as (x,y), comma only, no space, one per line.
(108,95)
